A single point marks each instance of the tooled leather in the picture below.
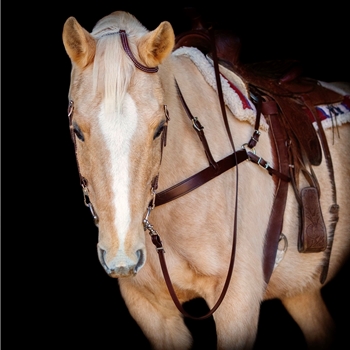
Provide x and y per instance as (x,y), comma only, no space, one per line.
(313,235)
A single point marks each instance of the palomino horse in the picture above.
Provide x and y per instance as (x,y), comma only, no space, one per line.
(230,220)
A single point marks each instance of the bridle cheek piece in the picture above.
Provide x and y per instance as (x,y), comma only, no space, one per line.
(83,181)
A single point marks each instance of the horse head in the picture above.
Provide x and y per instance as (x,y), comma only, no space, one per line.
(117,126)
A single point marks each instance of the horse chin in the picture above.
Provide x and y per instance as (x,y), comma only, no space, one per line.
(122,274)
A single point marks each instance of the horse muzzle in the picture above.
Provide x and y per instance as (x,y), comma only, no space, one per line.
(121,265)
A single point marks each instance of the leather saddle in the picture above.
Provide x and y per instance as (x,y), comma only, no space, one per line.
(294,99)
(282,80)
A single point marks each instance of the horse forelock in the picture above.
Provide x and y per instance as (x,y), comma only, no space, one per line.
(113,69)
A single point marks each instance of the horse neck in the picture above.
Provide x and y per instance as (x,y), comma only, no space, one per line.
(210,205)
(184,154)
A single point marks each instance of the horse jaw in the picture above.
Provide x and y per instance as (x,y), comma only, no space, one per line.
(79,44)
(156,45)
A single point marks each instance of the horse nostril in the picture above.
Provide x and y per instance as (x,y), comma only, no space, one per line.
(101,252)
(101,256)
(121,265)
(140,261)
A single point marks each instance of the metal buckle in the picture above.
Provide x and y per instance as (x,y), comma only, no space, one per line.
(196,124)
(88,204)
(245,146)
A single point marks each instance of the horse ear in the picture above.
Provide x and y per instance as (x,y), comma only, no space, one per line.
(157,44)
(79,44)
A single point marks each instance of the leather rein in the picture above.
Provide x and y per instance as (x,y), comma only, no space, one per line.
(213,170)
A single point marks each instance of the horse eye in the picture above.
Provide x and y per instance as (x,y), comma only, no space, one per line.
(78,132)
(159,130)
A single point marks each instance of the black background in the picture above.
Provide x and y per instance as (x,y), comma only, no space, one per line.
(59,296)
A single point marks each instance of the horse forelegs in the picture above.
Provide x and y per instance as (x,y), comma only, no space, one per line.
(236,325)
(157,317)
(311,314)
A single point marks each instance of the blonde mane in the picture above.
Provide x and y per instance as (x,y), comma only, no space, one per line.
(112,69)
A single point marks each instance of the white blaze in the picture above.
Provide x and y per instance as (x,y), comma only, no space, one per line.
(118,131)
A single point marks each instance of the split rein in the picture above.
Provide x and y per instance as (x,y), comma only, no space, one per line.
(214,169)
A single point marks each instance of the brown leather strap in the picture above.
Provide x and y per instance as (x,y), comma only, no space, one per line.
(266,165)
(199,129)
(200,178)
(83,180)
(189,185)
(297,122)
(274,228)
(311,220)
(221,96)
(157,242)
(334,208)
(256,99)
(128,51)
(223,165)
